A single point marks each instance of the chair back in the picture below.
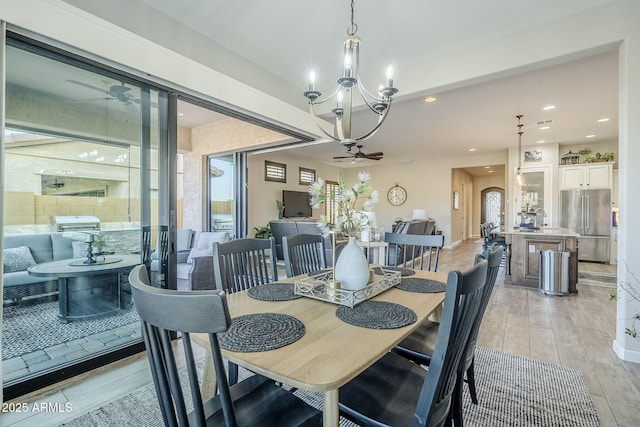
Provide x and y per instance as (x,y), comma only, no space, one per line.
(244,263)
(185,238)
(303,253)
(164,311)
(460,308)
(494,259)
(404,249)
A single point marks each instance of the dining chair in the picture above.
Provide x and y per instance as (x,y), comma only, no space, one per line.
(254,401)
(303,253)
(404,249)
(397,392)
(419,346)
(241,264)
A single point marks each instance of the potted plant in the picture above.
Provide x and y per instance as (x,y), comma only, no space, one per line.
(607,157)
(262,232)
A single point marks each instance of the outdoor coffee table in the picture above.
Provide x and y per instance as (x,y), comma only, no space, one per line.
(88,290)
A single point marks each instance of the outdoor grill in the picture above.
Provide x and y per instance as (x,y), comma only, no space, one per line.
(71,223)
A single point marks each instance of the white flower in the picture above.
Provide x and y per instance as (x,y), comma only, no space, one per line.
(348,218)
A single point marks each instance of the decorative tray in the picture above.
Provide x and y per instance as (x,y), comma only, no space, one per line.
(318,287)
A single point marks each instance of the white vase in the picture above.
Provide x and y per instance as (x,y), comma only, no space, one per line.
(352,267)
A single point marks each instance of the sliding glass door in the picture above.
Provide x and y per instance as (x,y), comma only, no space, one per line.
(88,156)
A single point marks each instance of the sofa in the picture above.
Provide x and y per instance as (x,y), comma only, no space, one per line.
(195,271)
(21,251)
(288,227)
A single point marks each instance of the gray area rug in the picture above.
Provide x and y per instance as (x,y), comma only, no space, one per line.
(512,391)
(598,279)
(28,328)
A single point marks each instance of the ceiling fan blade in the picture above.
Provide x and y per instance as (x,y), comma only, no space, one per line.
(376,154)
(343,157)
(89,86)
(373,157)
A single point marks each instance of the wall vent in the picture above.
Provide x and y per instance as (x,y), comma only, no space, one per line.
(544,122)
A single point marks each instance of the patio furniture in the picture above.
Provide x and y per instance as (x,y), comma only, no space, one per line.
(254,401)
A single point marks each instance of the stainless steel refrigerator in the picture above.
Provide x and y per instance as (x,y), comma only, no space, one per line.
(588,212)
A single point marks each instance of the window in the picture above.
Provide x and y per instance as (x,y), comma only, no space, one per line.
(306,176)
(332,192)
(276,172)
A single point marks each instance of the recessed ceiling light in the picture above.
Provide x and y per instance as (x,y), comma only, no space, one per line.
(590,136)
(549,107)
(545,127)
(542,141)
(604,119)
(490,171)
(430,99)
(180,114)
(472,149)
(487,167)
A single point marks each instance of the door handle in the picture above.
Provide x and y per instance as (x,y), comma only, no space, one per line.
(587,214)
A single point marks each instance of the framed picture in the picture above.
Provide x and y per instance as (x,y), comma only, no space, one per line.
(533,156)
(456,200)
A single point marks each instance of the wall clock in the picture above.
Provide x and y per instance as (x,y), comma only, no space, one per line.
(397,195)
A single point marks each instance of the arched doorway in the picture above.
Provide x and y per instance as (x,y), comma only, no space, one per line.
(492,205)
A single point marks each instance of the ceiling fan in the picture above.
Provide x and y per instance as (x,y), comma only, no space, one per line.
(118,92)
(359,155)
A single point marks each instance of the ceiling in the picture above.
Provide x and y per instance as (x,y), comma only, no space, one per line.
(290,39)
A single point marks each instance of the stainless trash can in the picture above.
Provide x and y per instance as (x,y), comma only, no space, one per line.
(553,272)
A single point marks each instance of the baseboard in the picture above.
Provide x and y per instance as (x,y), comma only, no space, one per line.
(626,354)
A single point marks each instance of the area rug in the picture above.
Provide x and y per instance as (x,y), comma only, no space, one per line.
(512,391)
(28,328)
(608,280)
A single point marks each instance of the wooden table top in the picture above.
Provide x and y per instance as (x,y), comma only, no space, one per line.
(331,352)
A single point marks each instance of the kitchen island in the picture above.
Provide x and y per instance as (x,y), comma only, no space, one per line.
(525,245)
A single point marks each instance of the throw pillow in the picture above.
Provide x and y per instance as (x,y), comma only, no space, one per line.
(195,252)
(17,259)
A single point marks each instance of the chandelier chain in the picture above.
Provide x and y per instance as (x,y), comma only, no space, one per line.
(353,28)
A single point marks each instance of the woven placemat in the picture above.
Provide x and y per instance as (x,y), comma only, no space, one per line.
(377,315)
(261,332)
(423,286)
(318,272)
(403,271)
(273,292)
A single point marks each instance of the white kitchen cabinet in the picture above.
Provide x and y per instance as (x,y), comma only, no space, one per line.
(586,176)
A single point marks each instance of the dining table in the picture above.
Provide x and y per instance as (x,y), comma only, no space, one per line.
(330,352)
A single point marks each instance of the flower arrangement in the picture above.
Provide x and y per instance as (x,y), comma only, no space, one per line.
(350,204)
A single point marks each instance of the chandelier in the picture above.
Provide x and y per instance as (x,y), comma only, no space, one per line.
(342,97)
(519,177)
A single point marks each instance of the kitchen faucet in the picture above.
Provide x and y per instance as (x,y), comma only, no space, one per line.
(540,214)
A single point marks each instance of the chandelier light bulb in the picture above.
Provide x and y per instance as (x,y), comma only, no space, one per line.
(312,80)
(339,98)
(390,76)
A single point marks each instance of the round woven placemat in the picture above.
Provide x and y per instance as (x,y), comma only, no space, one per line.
(377,315)
(423,286)
(261,332)
(273,292)
(403,271)
(318,272)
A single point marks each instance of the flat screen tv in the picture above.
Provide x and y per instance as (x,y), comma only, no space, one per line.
(296,204)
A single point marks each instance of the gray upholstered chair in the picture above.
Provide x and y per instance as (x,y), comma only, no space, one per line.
(303,253)
(195,272)
(254,401)
(420,344)
(397,392)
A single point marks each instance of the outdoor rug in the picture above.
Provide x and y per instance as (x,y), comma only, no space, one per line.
(30,327)
(512,391)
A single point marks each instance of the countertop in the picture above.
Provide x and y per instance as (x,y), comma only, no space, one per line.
(545,231)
